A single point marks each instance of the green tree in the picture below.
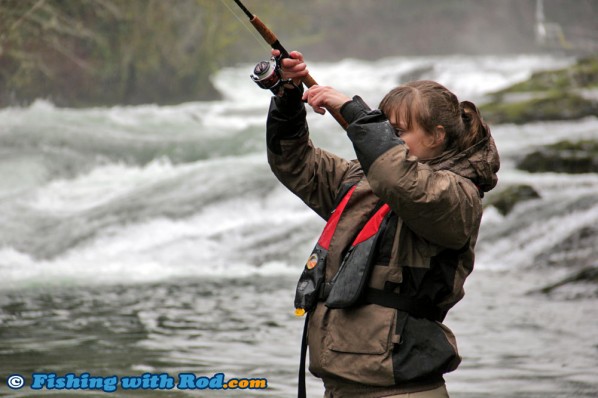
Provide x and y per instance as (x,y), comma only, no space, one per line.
(89,52)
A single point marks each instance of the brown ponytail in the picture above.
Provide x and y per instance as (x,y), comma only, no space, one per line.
(474,126)
(430,104)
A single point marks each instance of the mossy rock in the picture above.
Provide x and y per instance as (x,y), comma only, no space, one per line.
(547,95)
(563,157)
(505,200)
(584,74)
(551,106)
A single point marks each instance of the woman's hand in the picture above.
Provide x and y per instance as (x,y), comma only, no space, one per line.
(325,97)
(319,97)
(294,67)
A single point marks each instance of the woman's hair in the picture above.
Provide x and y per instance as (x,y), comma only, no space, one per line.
(430,104)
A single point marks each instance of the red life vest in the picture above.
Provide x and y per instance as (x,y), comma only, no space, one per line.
(347,285)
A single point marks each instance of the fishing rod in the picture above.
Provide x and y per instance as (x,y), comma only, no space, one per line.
(268,74)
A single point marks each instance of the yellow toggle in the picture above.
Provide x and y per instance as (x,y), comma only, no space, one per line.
(299,312)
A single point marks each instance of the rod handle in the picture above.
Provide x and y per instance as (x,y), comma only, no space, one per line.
(309,81)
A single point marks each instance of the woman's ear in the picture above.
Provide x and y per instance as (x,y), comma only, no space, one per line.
(439,136)
(437,139)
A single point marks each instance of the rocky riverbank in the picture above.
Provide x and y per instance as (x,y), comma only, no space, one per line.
(564,94)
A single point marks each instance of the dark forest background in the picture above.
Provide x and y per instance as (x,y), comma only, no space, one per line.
(104,52)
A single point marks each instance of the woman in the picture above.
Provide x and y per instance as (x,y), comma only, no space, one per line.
(424,161)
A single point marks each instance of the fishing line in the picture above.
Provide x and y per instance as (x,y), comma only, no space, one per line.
(251,31)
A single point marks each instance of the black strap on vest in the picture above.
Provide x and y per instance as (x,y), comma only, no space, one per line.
(417,308)
(301,390)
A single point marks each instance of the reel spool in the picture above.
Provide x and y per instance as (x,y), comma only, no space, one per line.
(268,75)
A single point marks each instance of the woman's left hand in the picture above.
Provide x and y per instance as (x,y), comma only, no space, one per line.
(324,97)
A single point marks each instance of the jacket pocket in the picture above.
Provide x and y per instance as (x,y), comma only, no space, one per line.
(426,348)
(360,344)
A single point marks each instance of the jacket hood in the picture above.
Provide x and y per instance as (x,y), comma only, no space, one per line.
(478,163)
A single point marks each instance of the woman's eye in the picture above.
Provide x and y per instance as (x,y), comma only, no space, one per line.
(399,132)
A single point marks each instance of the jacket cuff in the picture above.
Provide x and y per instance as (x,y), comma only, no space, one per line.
(290,103)
(286,119)
(354,109)
(372,135)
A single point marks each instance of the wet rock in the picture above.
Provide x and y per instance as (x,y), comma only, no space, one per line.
(419,73)
(562,157)
(548,95)
(578,251)
(505,199)
(551,106)
(584,73)
(581,284)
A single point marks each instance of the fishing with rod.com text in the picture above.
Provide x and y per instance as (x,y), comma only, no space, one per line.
(146,381)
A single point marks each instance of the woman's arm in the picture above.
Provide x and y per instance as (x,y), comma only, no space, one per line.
(313,174)
(439,205)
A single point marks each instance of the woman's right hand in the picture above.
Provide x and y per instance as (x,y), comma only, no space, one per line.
(322,98)
(294,67)
(319,97)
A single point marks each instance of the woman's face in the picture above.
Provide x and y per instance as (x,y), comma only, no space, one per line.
(421,144)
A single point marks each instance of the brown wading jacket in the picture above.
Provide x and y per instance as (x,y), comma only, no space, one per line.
(425,252)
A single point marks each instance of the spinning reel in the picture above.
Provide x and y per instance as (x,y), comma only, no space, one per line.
(268,75)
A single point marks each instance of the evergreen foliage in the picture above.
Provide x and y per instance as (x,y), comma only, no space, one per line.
(86,52)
